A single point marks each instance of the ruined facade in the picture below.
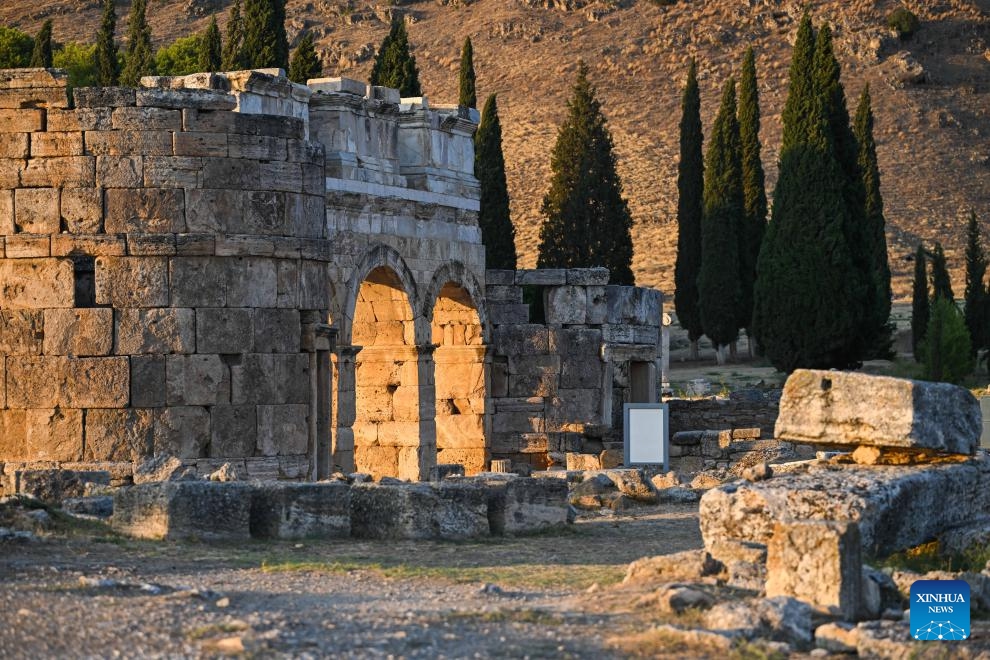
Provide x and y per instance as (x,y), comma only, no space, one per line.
(236,268)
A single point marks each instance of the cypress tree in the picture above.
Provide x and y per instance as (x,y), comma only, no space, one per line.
(305,62)
(799,109)
(719,286)
(42,54)
(877,321)
(467,96)
(210,48)
(497,232)
(139,59)
(107,66)
(232,58)
(265,43)
(754,187)
(920,310)
(690,190)
(976,293)
(941,282)
(394,65)
(586,220)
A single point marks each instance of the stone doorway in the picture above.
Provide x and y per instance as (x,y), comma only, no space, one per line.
(461,379)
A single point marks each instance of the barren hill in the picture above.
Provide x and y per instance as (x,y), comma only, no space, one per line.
(931,93)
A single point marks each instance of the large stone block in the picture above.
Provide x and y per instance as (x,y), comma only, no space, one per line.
(851,409)
(198,282)
(142,210)
(196,380)
(128,143)
(234,431)
(277,331)
(78,332)
(264,213)
(79,119)
(526,506)
(156,330)
(204,510)
(533,375)
(54,486)
(36,284)
(148,381)
(119,435)
(95,382)
(119,172)
(517,340)
(54,143)
(419,511)
(251,282)
(252,379)
(298,511)
(60,172)
(182,431)
(21,332)
(895,507)
(224,330)
(54,434)
(37,210)
(82,210)
(13,437)
(173,172)
(566,305)
(131,282)
(212,210)
(200,144)
(27,246)
(146,119)
(22,120)
(14,145)
(291,378)
(283,430)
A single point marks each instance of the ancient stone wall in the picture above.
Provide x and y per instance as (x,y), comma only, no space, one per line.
(724,414)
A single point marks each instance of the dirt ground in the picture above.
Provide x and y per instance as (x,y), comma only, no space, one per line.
(85,592)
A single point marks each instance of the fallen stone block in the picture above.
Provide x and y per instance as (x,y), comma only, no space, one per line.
(419,511)
(677,599)
(851,409)
(966,538)
(100,506)
(895,507)
(526,506)
(286,510)
(634,484)
(53,486)
(442,471)
(576,461)
(684,566)
(205,510)
(163,467)
(779,619)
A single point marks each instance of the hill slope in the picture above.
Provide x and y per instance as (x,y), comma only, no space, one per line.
(933,136)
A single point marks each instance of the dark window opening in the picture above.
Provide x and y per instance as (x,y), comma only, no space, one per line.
(534,296)
(84,270)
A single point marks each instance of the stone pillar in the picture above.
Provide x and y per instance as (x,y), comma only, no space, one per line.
(665,354)
(318,339)
(343,450)
(415,462)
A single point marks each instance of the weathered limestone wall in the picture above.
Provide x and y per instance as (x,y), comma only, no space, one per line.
(722,414)
(563,368)
(161,255)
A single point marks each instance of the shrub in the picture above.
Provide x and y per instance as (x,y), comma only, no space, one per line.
(946,349)
(903,21)
(180,58)
(15,48)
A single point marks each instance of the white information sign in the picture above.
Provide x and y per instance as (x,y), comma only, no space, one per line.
(645,434)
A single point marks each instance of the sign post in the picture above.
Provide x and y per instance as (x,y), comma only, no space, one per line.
(645,432)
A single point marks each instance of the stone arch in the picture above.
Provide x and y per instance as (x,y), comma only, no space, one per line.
(462,370)
(380,256)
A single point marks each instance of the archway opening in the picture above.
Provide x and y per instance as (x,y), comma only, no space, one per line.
(386,427)
(460,381)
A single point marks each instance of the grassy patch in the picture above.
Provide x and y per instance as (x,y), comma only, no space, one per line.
(214,629)
(662,642)
(525,615)
(927,557)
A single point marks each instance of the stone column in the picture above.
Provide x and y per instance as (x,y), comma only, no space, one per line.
(415,462)
(343,450)
(665,354)
(318,339)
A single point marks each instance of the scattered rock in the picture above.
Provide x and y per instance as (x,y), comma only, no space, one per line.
(966,538)
(686,566)
(100,506)
(677,496)
(163,467)
(677,599)
(705,481)
(611,459)
(359,478)
(758,472)
(839,637)
(226,472)
(589,493)
(54,486)
(670,480)
(694,639)
(780,619)
(634,484)
(907,70)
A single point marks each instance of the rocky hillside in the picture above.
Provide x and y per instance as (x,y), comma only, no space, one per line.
(931,93)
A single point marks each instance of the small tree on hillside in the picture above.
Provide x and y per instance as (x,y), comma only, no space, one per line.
(395,65)
(211,48)
(265,43)
(467,96)
(305,62)
(15,48)
(107,66)
(754,189)
(947,353)
(718,282)
(139,58)
(497,232)
(976,292)
(920,310)
(690,191)
(232,59)
(941,282)
(42,55)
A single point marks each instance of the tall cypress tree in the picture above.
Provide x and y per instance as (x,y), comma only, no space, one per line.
(719,286)
(232,59)
(754,187)
(941,282)
(467,95)
(497,232)
(586,220)
(107,66)
(139,58)
(799,109)
(211,48)
(42,54)
(976,292)
(305,62)
(690,191)
(395,65)
(265,43)
(877,320)
(920,310)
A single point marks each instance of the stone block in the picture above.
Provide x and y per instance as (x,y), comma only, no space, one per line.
(54,434)
(173,172)
(277,331)
(253,379)
(36,210)
(21,332)
(542,277)
(82,210)
(517,340)
(32,381)
(337,85)
(251,282)
(79,119)
(200,144)
(14,145)
(144,245)
(132,282)
(198,282)
(224,330)
(234,431)
(533,375)
(301,511)
(264,213)
(6,213)
(60,172)
(577,461)
(283,430)
(587,276)
(128,143)
(572,408)
(78,332)
(144,210)
(146,119)
(292,378)
(22,120)
(54,486)
(156,330)
(419,511)
(313,291)
(120,171)
(202,99)
(629,305)
(182,431)
(103,97)
(194,245)
(305,215)
(818,562)
(148,381)
(527,506)
(201,510)
(233,173)
(508,314)
(45,145)
(119,435)
(257,147)
(27,246)
(95,245)
(94,382)
(49,97)
(36,284)
(851,409)
(566,305)
(13,435)
(196,380)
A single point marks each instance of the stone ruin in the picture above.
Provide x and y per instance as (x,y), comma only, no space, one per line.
(287,279)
